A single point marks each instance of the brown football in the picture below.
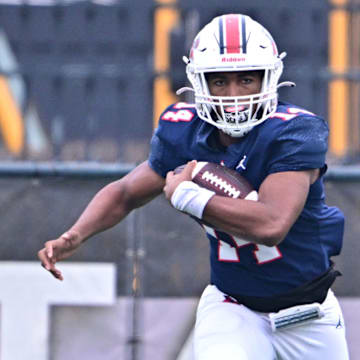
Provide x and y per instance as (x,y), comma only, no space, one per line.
(222,180)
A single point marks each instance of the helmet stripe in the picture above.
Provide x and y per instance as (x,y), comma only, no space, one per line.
(243,34)
(221,35)
(232,34)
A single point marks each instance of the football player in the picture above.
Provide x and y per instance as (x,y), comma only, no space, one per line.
(271,273)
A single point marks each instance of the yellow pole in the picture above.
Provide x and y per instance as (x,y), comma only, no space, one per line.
(354,61)
(11,123)
(338,89)
(166,18)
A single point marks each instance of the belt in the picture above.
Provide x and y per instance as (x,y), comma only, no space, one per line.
(313,291)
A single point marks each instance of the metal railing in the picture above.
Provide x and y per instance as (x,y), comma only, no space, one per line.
(89,170)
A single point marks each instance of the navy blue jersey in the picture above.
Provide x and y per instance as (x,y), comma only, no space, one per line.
(293,139)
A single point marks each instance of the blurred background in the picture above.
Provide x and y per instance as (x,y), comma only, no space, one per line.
(82,84)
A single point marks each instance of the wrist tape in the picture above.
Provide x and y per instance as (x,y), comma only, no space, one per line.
(191,198)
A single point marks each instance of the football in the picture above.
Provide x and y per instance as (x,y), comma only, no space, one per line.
(222,180)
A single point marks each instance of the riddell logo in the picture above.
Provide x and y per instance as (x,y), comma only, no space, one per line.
(232,59)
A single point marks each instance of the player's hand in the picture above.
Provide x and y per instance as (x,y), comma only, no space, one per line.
(59,249)
(173,180)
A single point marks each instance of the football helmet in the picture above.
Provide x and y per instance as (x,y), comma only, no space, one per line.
(234,42)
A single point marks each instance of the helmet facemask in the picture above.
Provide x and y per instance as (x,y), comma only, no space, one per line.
(235,115)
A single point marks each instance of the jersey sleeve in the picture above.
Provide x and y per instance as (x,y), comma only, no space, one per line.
(162,154)
(166,148)
(301,144)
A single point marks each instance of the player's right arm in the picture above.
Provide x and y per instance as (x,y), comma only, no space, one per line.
(108,207)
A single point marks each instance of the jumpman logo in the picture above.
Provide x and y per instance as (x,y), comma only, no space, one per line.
(339,324)
(242,163)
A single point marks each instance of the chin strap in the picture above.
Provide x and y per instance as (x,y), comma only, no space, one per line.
(285,83)
(184,89)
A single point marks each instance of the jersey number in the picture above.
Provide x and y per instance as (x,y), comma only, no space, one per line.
(228,253)
(180,113)
(291,113)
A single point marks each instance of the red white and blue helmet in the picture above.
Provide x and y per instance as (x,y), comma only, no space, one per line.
(235,42)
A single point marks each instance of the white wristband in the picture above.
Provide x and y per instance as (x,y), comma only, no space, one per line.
(191,198)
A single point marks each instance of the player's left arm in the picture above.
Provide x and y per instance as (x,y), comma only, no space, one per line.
(282,197)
